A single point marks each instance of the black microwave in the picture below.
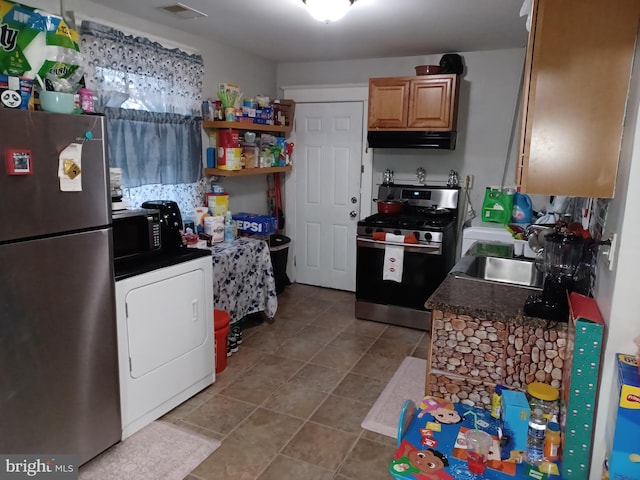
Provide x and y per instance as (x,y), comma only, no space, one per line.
(136,232)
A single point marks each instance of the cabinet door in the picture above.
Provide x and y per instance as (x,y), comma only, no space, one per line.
(576,84)
(388,102)
(432,103)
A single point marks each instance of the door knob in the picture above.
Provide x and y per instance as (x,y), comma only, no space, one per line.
(354,200)
(353,214)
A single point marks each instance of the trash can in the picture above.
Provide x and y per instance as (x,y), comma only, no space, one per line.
(221,320)
(279,250)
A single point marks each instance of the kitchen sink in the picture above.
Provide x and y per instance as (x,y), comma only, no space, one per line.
(514,271)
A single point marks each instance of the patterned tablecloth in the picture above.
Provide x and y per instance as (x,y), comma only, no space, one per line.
(243,281)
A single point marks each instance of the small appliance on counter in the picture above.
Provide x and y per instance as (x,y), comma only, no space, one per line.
(562,262)
(170,223)
(136,233)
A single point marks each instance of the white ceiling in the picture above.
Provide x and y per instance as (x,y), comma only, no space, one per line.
(283,31)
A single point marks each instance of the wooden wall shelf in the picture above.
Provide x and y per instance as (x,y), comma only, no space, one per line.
(257,127)
(246,171)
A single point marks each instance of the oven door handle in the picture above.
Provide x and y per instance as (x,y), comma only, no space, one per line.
(435,249)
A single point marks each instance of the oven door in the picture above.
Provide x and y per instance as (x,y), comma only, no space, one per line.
(424,268)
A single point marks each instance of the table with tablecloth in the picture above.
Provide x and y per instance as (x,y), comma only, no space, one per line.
(243,281)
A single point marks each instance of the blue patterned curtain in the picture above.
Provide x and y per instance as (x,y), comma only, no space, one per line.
(150,96)
(154,148)
(134,72)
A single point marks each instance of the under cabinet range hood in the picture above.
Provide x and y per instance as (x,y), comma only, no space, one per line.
(411,139)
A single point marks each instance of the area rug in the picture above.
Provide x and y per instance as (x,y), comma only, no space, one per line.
(406,384)
(160,450)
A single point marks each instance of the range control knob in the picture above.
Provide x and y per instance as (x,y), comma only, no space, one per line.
(427,236)
(397,232)
(378,230)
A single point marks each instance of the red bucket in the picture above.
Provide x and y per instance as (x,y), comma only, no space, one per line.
(221,320)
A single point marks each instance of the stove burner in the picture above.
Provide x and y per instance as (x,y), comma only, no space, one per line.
(419,218)
(434,211)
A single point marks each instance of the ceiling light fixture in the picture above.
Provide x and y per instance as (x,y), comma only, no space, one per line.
(328,10)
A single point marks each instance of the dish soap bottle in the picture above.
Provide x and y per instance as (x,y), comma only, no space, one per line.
(229,228)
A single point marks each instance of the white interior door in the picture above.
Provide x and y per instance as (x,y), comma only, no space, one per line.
(328,163)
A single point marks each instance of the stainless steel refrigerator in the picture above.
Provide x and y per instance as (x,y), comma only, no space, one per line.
(59,389)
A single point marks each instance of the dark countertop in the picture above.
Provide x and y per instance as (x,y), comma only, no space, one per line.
(130,267)
(493,301)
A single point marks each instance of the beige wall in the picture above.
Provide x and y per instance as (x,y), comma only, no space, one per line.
(489,103)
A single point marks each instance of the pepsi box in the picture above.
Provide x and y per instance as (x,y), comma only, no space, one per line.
(254,224)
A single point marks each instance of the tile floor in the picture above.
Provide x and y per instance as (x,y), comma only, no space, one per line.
(290,402)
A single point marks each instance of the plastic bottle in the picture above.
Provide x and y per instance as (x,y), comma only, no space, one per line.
(552,442)
(535,438)
(496,401)
(277,120)
(229,228)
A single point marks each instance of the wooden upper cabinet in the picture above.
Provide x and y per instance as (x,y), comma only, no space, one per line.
(428,102)
(388,102)
(433,103)
(576,83)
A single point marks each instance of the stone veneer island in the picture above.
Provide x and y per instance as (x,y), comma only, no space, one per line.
(480,338)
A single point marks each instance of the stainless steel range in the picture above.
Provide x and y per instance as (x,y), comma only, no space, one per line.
(429,214)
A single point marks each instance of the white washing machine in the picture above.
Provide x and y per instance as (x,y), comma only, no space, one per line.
(165,339)
(487,231)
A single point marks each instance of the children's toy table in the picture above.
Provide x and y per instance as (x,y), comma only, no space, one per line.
(431,445)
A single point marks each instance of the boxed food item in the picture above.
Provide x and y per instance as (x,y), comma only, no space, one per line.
(254,224)
(228,138)
(625,451)
(515,413)
(288,110)
(229,150)
(218,203)
(264,116)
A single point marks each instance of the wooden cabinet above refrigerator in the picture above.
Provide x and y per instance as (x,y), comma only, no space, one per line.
(428,102)
(576,82)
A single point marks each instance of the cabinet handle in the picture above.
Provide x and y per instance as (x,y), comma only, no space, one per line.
(194,310)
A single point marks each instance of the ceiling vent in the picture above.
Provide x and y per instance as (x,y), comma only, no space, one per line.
(182,11)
